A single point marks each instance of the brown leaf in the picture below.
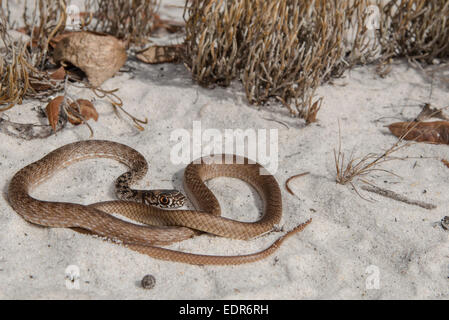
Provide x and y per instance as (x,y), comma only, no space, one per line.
(59,74)
(98,56)
(86,109)
(52,111)
(313,111)
(45,84)
(40,86)
(160,54)
(54,41)
(436,132)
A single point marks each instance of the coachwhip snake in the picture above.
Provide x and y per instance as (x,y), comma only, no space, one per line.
(161,227)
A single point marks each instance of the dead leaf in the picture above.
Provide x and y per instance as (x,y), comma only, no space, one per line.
(52,111)
(45,84)
(313,111)
(436,132)
(98,56)
(39,86)
(86,109)
(160,54)
(445,162)
(54,41)
(59,74)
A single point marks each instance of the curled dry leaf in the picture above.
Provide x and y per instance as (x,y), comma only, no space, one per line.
(52,111)
(160,54)
(98,56)
(85,108)
(436,132)
(58,74)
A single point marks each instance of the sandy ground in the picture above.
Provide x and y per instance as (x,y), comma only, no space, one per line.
(354,248)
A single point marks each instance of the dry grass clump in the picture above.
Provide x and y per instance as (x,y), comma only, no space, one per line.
(416,29)
(43,22)
(128,20)
(278,49)
(287,48)
(215,45)
(291,50)
(18,66)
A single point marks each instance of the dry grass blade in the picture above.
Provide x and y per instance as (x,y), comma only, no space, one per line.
(117,103)
(291,178)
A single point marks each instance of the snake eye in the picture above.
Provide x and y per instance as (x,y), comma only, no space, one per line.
(164,200)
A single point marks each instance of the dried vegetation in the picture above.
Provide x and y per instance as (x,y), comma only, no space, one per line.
(128,20)
(285,49)
(21,63)
(50,58)
(278,49)
(416,29)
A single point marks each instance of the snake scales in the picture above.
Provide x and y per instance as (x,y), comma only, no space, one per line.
(161,227)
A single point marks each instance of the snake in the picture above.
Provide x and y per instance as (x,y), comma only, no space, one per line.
(159,220)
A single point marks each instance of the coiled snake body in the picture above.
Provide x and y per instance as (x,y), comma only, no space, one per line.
(161,227)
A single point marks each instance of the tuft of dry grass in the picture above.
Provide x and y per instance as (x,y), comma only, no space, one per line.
(20,76)
(292,49)
(348,170)
(278,49)
(416,131)
(285,49)
(357,167)
(128,20)
(416,29)
(42,23)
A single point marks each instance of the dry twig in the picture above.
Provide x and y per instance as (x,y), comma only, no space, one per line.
(395,196)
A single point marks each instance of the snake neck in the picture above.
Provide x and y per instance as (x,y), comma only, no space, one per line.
(158,198)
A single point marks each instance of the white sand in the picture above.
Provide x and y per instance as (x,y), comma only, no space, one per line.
(334,257)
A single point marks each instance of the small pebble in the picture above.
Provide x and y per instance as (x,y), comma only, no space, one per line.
(445,223)
(148,282)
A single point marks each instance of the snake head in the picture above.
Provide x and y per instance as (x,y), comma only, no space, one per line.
(164,198)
